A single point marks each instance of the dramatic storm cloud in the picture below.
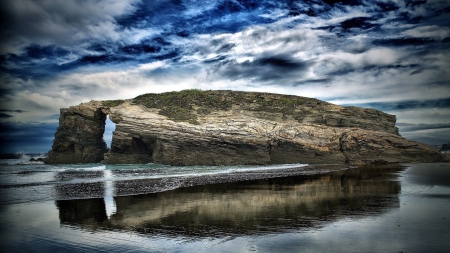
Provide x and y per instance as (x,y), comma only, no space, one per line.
(388,55)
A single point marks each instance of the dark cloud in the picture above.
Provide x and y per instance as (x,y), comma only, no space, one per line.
(138,49)
(100,48)
(358,22)
(439,103)
(39,52)
(406,127)
(174,55)
(17,137)
(355,48)
(183,33)
(404,17)
(434,140)
(150,49)
(219,58)
(372,68)
(36,62)
(407,105)
(46,61)
(313,81)
(442,11)
(101,59)
(183,18)
(265,69)
(17,111)
(33,71)
(431,134)
(355,25)
(225,48)
(402,42)
(281,63)
(417,71)
(386,6)
(66,23)
(4,115)
(156,13)
(343,2)
(228,6)
(413,3)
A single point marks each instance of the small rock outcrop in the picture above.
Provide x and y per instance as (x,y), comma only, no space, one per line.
(194,127)
(445,147)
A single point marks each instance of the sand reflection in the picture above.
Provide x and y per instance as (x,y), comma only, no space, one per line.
(250,207)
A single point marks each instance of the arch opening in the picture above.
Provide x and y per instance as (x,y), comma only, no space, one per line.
(109,129)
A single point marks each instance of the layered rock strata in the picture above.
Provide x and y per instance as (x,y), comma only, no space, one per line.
(79,137)
(230,128)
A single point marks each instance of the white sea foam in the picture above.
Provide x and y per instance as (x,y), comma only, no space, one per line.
(207,171)
(19,172)
(154,171)
(22,159)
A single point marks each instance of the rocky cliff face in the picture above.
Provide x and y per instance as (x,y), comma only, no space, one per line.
(79,137)
(226,127)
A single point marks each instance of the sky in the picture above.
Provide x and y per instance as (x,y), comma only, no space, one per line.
(384,54)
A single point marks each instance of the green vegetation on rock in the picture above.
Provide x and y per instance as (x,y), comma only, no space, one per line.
(179,114)
(183,99)
(185,105)
(190,105)
(112,103)
(179,105)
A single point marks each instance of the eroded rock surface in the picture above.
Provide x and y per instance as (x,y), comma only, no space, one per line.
(79,137)
(230,128)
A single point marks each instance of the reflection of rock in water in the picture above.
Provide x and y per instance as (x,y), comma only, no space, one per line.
(152,185)
(86,213)
(259,206)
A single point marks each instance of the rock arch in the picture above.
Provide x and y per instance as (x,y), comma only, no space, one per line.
(315,132)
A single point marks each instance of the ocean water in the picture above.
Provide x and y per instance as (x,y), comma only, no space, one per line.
(277,208)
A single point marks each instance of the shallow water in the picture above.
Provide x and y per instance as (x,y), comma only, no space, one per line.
(286,208)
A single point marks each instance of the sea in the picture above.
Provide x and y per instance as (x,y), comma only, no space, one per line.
(273,208)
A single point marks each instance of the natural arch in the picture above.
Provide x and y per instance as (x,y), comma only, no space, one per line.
(109,128)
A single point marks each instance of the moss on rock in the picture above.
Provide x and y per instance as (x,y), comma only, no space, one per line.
(189,105)
(112,103)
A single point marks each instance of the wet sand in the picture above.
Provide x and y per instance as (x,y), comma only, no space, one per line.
(396,208)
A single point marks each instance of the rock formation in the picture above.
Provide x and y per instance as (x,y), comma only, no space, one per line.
(194,127)
(445,147)
(79,137)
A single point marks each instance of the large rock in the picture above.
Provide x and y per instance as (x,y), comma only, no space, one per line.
(229,128)
(371,147)
(79,137)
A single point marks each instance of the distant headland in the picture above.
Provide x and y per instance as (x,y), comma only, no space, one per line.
(194,127)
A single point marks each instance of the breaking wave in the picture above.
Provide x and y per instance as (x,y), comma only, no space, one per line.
(21,158)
